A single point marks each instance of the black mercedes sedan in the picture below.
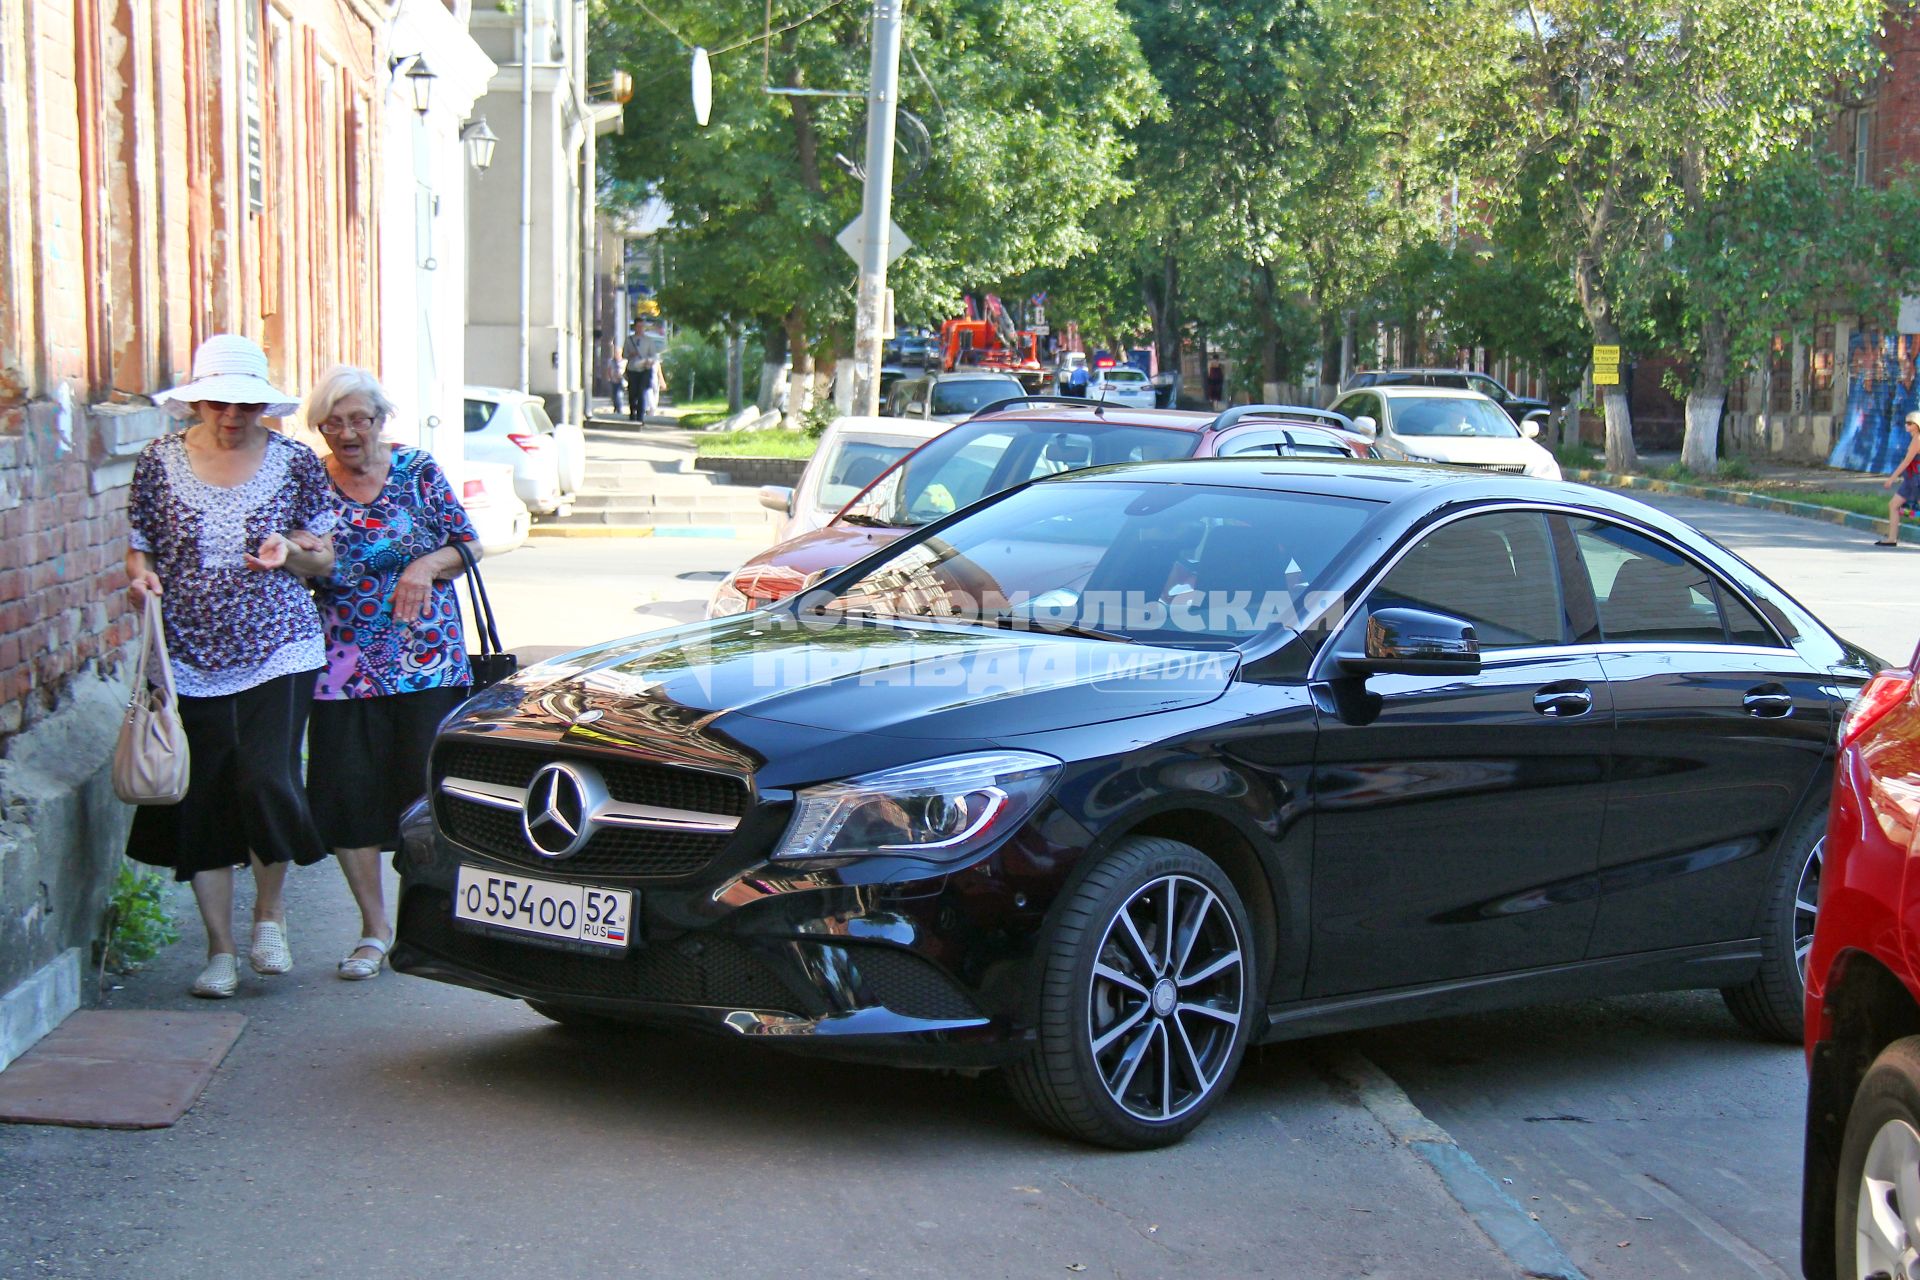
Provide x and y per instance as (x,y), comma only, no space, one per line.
(1113,774)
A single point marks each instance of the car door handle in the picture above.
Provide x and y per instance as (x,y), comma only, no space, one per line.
(1769,701)
(1563,700)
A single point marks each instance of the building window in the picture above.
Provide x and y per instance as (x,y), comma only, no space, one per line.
(1862,146)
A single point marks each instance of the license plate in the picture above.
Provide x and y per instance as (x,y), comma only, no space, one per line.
(581,913)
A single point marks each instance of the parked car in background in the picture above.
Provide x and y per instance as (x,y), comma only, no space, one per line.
(1518,407)
(549,461)
(909,349)
(486,490)
(1438,424)
(1122,384)
(851,455)
(950,397)
(1118,772)
(1861,903)
(1009,445)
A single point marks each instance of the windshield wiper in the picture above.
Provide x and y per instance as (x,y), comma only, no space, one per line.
(871,522)
(1008,622)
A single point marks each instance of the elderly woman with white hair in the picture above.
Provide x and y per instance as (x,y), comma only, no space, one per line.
(396,663)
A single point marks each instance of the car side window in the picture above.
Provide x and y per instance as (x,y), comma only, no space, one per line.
(1495,571)
(1364,404)
(1245,442)
(1487,387)
(1648,593)
(479,414)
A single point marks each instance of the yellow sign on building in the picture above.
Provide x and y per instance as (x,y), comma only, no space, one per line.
(1606,366)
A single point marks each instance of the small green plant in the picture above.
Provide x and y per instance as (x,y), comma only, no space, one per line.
(1579,457)
(1735,468)
(1679,471)
(816,420)
(139,918)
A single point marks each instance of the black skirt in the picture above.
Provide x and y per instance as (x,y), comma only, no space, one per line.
(243,785)
(367,761)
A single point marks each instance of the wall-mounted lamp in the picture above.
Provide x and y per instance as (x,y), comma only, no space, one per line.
(419,79)
(480,141)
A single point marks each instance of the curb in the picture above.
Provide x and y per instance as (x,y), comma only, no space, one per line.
(1741,498)
(1515,1232)
(648,531)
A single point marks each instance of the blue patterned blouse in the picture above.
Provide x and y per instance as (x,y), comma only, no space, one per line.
(369,655)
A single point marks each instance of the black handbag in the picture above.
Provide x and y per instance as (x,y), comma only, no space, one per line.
(489,663)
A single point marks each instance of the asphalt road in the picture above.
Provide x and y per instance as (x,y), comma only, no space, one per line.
(403,1126)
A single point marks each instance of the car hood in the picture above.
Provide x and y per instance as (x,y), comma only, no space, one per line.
(894,680)
(1469,450)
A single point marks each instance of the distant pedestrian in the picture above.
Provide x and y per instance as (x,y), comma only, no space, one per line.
(1907,473)
(1216,384)
(227,519)
(642,356)
(396,660)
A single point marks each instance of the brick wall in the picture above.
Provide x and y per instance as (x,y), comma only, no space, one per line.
(63,499)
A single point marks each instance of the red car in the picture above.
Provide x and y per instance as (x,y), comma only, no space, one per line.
(1860,1208)
(1016,441)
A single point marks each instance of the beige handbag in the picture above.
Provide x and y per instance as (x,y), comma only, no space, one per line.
(150,760)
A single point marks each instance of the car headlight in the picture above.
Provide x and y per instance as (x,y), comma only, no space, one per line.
(939,811)
(1544,467)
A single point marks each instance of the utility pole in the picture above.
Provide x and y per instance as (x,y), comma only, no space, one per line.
(526,196)
(883,99)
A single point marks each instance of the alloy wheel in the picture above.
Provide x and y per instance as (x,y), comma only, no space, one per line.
(1806,906)
(1887,1219)
(1167,998)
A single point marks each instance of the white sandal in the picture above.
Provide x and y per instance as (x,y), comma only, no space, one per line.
(359,968)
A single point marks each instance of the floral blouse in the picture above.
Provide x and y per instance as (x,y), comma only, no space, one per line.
(230,628)
(369,655)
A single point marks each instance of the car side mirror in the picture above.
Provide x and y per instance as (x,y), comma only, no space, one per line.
(1415,642)
(1366,426)
(1531,424)
(917,409)
(777,497)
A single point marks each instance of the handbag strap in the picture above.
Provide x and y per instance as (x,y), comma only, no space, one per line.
(153,643)
(482,610)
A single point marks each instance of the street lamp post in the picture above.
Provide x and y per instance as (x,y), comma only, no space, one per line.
(883,95)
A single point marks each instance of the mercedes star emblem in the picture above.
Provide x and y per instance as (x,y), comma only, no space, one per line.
(559,811)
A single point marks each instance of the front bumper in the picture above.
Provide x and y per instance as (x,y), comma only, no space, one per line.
(925,972)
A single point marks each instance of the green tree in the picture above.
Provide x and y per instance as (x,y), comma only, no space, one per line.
(1027,105)
(1647,111)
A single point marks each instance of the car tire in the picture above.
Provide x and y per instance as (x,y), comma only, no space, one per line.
(581,1020)
(1772,1003)
(1877,1155)
(1115,1060)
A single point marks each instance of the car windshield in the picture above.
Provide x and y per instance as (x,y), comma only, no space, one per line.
(1187,565)
(1450,416)
(976,459)
(1123,375)
(853,465)
(970,394)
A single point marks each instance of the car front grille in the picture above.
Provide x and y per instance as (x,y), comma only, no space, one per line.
(698,969)
(614,853)
(1503,468)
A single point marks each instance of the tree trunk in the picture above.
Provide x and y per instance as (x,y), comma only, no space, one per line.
(1622,457)
(800,374)
(1700,449)
(1266,295)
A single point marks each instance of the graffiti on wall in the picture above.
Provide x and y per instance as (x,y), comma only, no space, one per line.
(1880,391)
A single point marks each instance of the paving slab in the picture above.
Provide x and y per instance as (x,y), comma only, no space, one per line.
(118,1069)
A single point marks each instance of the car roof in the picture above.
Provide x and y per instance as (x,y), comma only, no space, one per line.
(475,391)
(1114,415)
(878,427)
(1401,391)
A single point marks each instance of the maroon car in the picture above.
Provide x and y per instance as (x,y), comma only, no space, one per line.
(1016,441)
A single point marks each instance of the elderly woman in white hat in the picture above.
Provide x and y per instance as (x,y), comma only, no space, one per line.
(214,514)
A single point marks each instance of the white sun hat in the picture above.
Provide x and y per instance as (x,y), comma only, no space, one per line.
(228,369)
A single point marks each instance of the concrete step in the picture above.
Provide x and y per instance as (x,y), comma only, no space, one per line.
(641,467)
(757,518)
(717,500)
(664,482)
